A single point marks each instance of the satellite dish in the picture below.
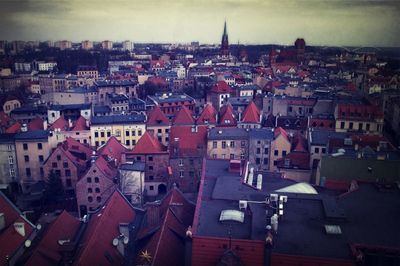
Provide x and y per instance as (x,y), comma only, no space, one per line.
(126,240)
(39,226)
(115,242)
(28,243)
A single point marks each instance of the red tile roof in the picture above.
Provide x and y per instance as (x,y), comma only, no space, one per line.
(113,149)
(207,116)
(15,128)
(74,146)
(280,131)
(296,160)
(48,250)
(358,111)
(35,124)
(183,117)
(221,87)
(10,239)
(60,123)
(175,215)
(251,114)
(148,144)
(303,102)
(188,140)
(4,119)
(103,227)
(300,144)
(156,117)
(107,167)
(227,117)
(80,124)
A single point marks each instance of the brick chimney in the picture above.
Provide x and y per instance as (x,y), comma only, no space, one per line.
(235,166)
(153,213)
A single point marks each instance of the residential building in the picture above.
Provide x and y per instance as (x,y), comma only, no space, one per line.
(228,143)
(70,111)
(219,94)
(126,128)
(280,147)
(131,181)
(158,125)
(104,87)
(8,160)
(251,117)
(87,45)
(155,156)
(107,45)
(171,103)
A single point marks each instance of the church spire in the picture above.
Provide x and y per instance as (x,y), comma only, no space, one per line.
(224,42)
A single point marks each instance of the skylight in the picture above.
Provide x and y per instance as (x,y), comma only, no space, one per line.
(231,215)
(333,229)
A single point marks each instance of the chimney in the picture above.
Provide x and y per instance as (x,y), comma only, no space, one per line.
(24,128)
(2,221)
(45,124)
(153,214)
(69,123)
(234,166)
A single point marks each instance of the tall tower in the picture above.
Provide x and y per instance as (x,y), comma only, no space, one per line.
(225,43)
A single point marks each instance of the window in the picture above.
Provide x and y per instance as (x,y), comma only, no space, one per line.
(214,156)
(258,150)
(151,187)
(341,125)
(323,150)
(243,144)
(25,146)
(58,157)
(290,108)
(275,162)
(180,162)
(232,144)
(118,133)
(215,145)
(139,132)
(10,159)
(39,146)
(367,126)
(97,190)
(127,133)
(133,132)
(98,199)
(150,168)
(26,158)
(108,134)
(96,143)
(351,125)
(65,164)
(283,153)
(28,172)
(150,158)
(89,180)
(9,147)
(54,165)
(276,152)
(127,142)
(90,198)
(151,177)
(242,156)
(316,150)
(232,156)
(41,158)
(96,134)
(68,182)
(258,160)
(90,190)
(360,126)
(102,134)
(67,172)
(191,173)
(223,156)
(265,150)
(96,180)
(265,161)
(181,173)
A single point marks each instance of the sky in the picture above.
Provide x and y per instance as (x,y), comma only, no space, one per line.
(319,22)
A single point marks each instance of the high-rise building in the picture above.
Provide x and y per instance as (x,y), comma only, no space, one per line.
(127,45)
(87,45)
(225,43)
(107,45)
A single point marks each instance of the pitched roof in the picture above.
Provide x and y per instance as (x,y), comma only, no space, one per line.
(14,239)
(16,127)
(80,124)
(75,147)
(107,167)
(301,144)
(251,114)
(296,160)
(183,117)
(113,149)
(157,117)
(35,124)
(188,140)
(60,123)
(221,87)
(148,144)
(280,131)
(175,215)
(227,118)
(207,116)
(48,250)
(103,227)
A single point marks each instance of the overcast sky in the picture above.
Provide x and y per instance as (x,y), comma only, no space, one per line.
(319,22)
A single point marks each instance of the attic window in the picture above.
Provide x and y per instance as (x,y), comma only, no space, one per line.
(333,229)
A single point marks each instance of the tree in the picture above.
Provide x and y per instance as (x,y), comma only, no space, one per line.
(54,187)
